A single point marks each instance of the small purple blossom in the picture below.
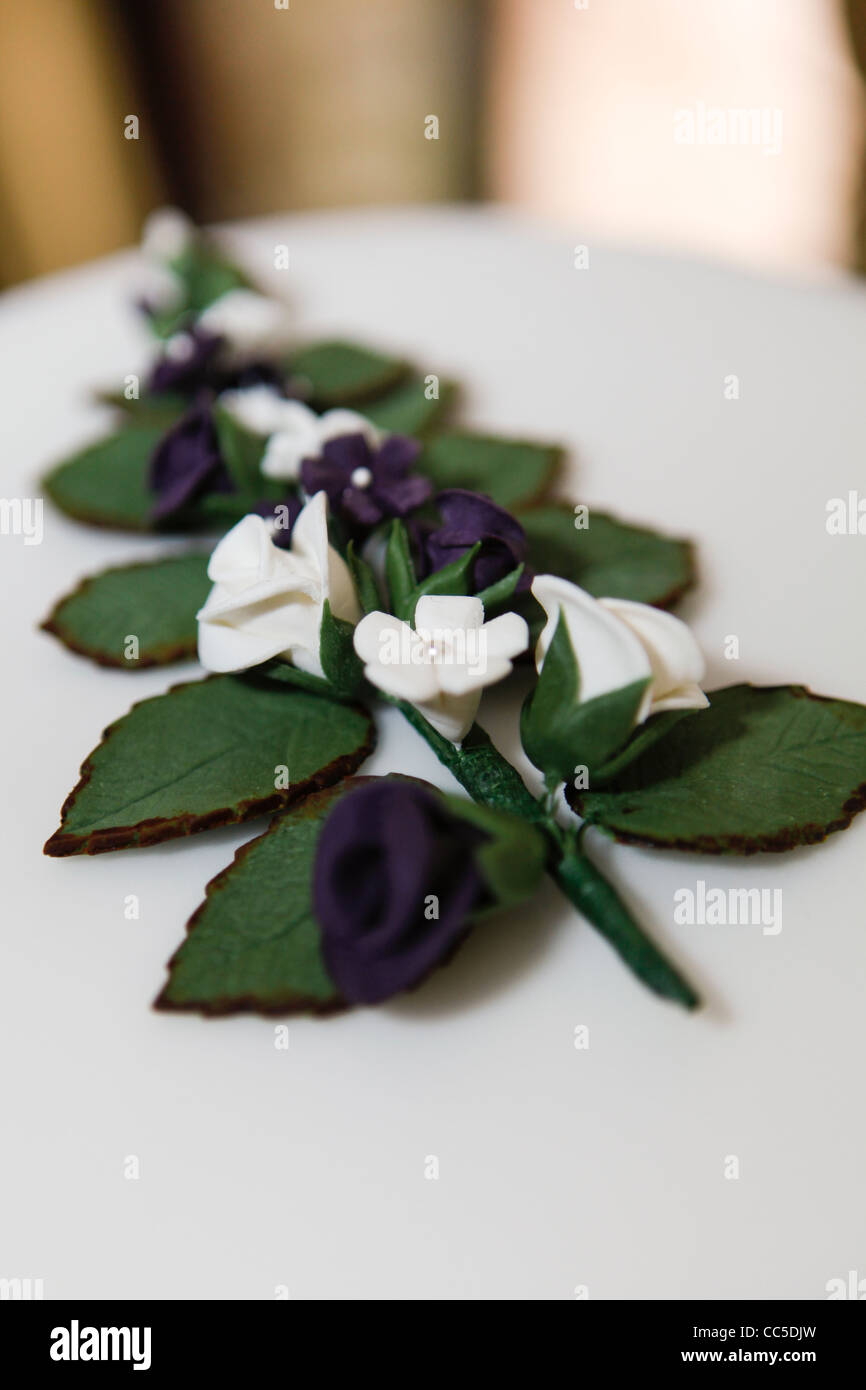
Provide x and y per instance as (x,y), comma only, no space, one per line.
(187,463)
(384,850)
(191,363)
(364,483)
(466,518)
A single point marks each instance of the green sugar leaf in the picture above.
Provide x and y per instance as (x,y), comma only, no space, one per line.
(511,471)
(764,768)
(608,558)
(254,944)
(408,409)
(337,373)
(208,753)
(106,484)
(154,603)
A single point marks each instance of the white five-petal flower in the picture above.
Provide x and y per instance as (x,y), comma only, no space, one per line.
(267,602)
(294,431)
(617,642)
(443,664)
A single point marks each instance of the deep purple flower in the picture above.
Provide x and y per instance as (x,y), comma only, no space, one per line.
(187,463)
(192,364)
(364,483)
(385,850)
(282,514)
(468,517)
(186,365)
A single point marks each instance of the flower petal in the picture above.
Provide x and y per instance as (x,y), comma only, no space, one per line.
(337,422)
(448,612)
(674,655)
(685,697)
(506,636)
(452,716)
(245,549)
(609,654)
(258,408)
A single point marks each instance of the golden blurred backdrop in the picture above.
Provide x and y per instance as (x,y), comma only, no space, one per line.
(563,107)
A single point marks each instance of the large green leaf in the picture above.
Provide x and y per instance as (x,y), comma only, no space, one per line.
(107,483)
(511,471)
(337,373)
(609,558)
(254,944)
(764,768)
(407,408)
(155,602)
(208,753)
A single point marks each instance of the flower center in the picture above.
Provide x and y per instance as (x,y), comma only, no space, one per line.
(361,477)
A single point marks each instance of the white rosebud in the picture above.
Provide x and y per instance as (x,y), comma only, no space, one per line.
(617,642)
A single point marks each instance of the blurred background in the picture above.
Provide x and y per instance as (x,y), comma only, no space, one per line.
(728,128)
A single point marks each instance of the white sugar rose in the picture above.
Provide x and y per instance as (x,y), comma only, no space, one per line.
(251,325)
(617,642)
(443,664)
(267,602)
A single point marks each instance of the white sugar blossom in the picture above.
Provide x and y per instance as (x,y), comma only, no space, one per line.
(443,664)
(159,288)
(617,642)
(267,602)
(167,233)
(251,325)
(294,431)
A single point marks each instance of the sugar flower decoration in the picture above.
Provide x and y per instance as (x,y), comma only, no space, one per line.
(268,602)
(187,464)
(367,481)
(467,518)
(295,431)
(385,848)
(617,642)
(443,664)
(251,326)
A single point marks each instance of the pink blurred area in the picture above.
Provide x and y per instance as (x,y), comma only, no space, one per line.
(582,109)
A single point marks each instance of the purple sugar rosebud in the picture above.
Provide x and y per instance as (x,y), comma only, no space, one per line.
(384,850)
(468,517)
(364,483)
(187,463)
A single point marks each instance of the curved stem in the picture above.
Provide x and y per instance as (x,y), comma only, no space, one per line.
(491,780)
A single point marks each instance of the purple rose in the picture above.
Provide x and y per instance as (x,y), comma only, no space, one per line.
(187,463)
(365,484)
(385,849)
(469,517)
